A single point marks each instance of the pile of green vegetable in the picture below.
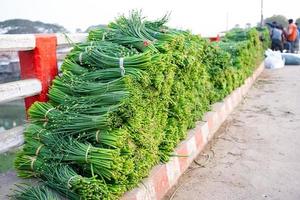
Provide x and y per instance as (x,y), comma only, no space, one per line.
(124,100)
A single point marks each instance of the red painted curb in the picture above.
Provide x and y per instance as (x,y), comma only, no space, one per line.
(163,177)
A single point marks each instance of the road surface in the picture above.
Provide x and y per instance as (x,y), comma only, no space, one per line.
(256,153)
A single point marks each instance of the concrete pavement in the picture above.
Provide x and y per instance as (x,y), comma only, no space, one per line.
(256,152)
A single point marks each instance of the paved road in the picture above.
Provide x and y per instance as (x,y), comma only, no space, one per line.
(256,153)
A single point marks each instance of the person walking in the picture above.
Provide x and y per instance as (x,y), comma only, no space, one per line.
(277,38)
(297,41)
(298,27)
(292,35)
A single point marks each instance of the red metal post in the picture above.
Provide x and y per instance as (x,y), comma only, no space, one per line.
(40,63)
(215,39)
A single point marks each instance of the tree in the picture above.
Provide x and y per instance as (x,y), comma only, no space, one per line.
(22,26)
(280,19)
(78,30)
(237,26)
(95,26)
(298,20)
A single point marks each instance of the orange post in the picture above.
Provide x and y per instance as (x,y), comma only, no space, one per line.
(40,63)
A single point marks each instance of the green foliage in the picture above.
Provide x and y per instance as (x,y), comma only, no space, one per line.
(264,37)
(124,101)
(234,58)
(190,92)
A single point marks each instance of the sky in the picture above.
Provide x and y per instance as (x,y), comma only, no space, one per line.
(201,17)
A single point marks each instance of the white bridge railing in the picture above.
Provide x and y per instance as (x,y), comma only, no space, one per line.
(24,42)
(29,86)
(19,89)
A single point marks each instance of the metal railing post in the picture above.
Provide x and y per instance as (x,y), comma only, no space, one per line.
(40,63)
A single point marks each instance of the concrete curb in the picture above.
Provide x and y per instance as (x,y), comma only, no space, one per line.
(163,177)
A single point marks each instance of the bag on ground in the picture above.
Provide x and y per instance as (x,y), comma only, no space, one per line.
(274,60)
(291,59)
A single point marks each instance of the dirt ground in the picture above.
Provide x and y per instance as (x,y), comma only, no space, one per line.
(256,153)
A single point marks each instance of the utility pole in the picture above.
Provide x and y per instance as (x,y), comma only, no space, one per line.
(261,13)
(227,20)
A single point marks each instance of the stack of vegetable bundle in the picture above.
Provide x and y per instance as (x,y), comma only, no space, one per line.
(25,192)
(125,99)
